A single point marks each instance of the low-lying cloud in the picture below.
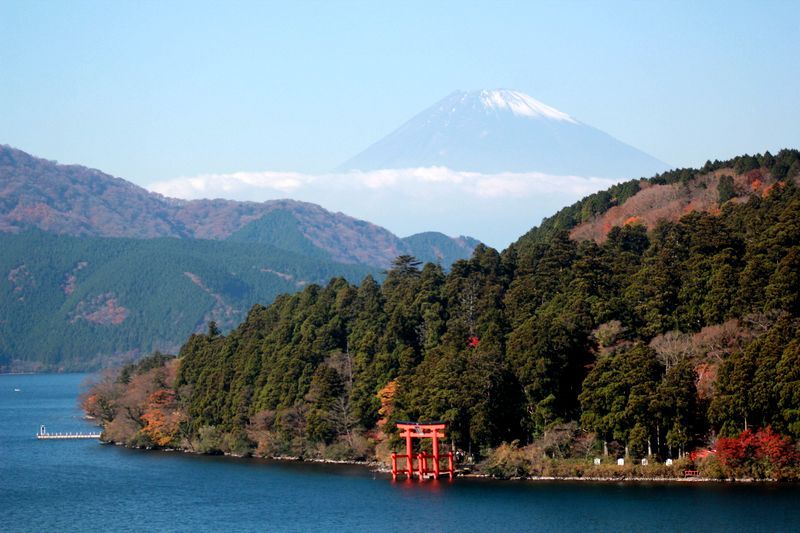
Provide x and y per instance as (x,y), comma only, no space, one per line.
(266,185)
(494,207)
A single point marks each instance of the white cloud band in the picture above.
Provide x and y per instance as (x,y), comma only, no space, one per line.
(496,208)
(270,185)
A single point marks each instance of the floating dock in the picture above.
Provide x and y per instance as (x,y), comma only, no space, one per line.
(44,435)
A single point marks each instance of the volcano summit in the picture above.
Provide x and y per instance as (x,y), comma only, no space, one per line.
(501,130)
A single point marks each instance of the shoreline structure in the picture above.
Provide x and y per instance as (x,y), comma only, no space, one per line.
(381,468)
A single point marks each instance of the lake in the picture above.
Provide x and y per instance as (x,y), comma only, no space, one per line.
(82,485)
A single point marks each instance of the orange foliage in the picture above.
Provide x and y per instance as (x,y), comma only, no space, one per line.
(90,405)
(768,189)
(654,203)
(647,207)
(161,417)
(386,396)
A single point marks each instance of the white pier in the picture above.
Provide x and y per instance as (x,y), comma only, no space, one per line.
(44,435)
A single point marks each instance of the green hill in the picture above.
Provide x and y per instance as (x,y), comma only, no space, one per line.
(352,242)
(280,229)
(74,302)
(434,247)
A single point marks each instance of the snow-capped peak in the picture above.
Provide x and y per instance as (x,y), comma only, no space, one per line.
(520,104)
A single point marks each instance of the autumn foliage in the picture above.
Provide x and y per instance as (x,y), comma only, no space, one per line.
(138,404)
(162,418)
(759,454)
(386,396)
(657,199)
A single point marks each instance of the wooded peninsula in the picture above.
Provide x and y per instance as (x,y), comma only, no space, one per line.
(592,336)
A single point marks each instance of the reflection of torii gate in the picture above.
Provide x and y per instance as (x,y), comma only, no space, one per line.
(422,430)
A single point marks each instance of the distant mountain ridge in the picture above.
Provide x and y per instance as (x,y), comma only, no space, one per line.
(75,200)
(501,130)
(95,270)
(314,233)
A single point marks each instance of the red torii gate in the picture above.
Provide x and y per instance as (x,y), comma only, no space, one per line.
(422,430)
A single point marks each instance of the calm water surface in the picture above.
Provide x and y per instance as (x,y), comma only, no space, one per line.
(82,485)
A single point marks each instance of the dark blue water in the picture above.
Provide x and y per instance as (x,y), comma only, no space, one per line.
(82,485)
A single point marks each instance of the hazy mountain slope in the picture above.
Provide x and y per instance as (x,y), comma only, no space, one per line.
(434,247)
(74,200)
(504,131)
(79,302)
(346,239)
(278,228)
(315,233)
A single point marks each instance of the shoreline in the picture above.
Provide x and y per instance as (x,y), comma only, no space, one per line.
(380,468)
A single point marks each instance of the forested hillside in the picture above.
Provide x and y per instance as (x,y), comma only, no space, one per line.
(652,341)
(668,196)
(85,302)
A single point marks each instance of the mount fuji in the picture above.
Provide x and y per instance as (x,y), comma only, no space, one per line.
(500,130)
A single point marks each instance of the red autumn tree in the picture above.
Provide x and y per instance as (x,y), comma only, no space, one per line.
(776,452)
(763,453)
(736,452)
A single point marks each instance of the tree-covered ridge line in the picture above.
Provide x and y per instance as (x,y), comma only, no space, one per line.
(75,200)
(784,165)
(647,343)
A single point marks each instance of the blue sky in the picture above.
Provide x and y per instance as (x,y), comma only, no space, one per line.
(151,91)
